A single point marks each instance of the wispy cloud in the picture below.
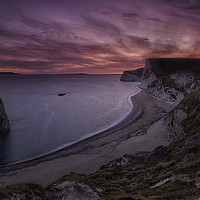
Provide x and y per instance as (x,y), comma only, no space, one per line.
(92,37)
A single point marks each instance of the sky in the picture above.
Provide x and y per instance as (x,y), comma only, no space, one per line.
(95,36)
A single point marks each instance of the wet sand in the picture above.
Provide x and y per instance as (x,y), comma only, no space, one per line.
(142,130)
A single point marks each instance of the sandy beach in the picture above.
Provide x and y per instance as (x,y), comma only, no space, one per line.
(142,130)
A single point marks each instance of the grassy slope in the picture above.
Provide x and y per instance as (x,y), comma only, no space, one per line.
(24,190)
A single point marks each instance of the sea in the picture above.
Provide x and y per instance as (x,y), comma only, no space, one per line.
(43,122)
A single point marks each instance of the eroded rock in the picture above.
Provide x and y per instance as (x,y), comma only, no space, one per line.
(4,121)
(71,190)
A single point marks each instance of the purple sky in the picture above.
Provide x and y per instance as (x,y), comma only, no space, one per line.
(95,36)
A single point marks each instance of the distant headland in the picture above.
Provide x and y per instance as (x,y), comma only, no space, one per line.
(8,73)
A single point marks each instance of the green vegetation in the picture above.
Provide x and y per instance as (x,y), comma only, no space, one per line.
(191,104)
(25,190)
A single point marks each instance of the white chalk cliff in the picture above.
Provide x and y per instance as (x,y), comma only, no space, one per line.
(170,79)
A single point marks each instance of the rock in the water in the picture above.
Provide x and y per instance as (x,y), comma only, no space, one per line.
(4,121)
(134,75)
(61,94)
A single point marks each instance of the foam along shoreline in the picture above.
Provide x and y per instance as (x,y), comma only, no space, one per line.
(89,154)
(112,127)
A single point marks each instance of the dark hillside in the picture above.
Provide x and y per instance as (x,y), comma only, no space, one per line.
(166,66)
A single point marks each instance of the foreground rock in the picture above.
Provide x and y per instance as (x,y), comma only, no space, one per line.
(134,75)
(71,187)
(171,79)
(4,122)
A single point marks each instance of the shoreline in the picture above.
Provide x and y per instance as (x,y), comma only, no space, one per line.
(115,124)
(89,154)
(107,127)
(118,125)
(124,122)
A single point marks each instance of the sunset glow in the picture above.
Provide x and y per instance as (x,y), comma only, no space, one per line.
(97,37)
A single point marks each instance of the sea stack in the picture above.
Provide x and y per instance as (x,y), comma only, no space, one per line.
(4,121)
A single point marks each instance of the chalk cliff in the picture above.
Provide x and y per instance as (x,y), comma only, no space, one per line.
(170,79)
(134,75)
(4,122)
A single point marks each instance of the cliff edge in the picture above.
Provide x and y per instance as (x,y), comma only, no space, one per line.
(134,75)
(4,121)
(170,79)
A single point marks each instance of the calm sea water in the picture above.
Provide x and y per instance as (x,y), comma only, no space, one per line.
(42,122)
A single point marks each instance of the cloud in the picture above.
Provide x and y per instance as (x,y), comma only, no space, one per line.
(130,15)
(155,19)
(73,36)
(186,4)
(102,26)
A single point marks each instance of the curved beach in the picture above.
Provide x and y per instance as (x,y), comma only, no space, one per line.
(139,131)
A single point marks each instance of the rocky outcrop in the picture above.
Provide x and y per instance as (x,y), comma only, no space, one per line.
(170,79)
(134,75)
(68,190)
(4,122)
(156,68)
(173,88)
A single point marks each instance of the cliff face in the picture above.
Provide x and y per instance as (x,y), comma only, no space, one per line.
(162,67)
(173,88)
(134,75)
(171,79)
(4,122)
(148,75)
